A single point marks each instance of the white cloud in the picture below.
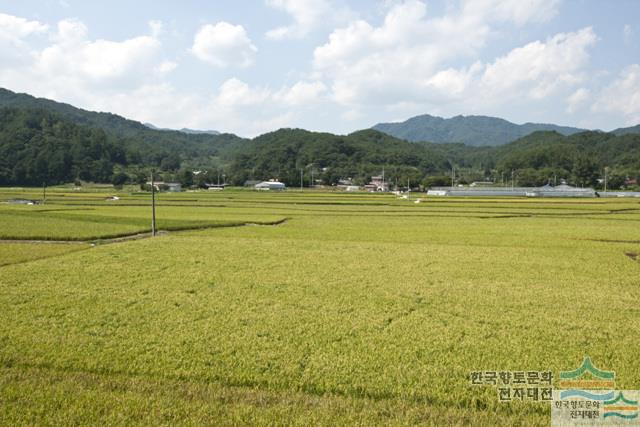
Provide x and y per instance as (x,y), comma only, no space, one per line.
(131,78)
(92,74)
(406,62)
(238,105)
(622,96)
(74,57)
(71,31)
(406,59)
(307,16)
(14,32)
(224,45)
(452,82)
(167,67)
(410,62)
(13,28)
(540,68)
(578,99)
(235,93)
(158,103)
(301,94)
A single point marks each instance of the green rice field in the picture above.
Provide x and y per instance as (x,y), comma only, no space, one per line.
(306,308)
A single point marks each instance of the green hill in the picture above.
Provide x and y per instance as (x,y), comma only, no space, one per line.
(152,144)
(283,153)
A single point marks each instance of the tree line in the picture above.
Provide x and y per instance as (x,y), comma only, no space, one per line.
(43,146)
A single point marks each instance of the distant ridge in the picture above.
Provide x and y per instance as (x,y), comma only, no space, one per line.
(471,130)
(184,130)
(625,131)
(45,141)
(111,123)
(135,135)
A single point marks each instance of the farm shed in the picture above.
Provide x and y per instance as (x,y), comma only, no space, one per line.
(270,185)
(173,187)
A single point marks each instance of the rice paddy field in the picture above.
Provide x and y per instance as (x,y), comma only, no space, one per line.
(306,308)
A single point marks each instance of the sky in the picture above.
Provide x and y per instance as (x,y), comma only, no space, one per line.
(253,66)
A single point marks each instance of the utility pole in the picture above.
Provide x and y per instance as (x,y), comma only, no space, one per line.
(453,176)
(301,178)
(153,206)
(606,169)
(44,192)
(513,183)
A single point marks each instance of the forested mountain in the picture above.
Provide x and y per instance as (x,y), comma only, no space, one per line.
(624,131)
(470,130)
(37,146)
(284,153)
(537,159)
(152,144)
(580,158)
(41,145)
(43,141)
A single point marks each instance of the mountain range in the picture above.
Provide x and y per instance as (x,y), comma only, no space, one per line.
(184,130)
(626,131)
(45,141)
(470,130)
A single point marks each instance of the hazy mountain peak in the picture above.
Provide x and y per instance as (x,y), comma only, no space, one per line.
(183,130)
(470,130)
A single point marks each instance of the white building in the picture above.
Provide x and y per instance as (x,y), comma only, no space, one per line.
(270,185)
(377,184)
(173,187)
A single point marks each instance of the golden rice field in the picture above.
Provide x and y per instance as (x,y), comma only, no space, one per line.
(306,308)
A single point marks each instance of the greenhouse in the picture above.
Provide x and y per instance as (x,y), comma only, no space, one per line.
(545,191)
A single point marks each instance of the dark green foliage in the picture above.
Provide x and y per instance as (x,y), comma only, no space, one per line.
(38,147)
(186,178)
(579,158)
(139,143)
(285,153)
(437,181)
(585,171)
(119,179)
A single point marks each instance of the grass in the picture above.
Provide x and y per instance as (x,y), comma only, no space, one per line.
(17,252)
(361,309)
(64,222)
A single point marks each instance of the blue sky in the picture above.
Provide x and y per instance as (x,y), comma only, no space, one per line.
(250,67)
